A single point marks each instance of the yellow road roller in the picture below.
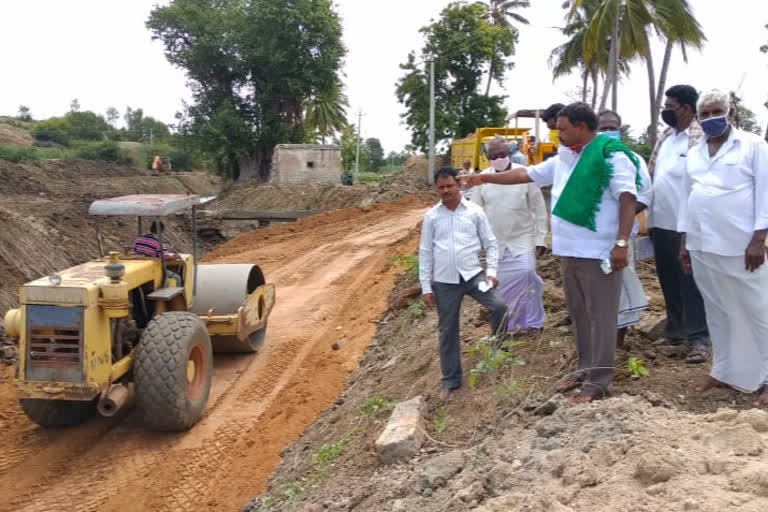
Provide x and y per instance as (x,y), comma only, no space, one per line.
(142,322)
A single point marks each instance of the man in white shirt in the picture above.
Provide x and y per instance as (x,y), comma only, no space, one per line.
(452,234)
(593,180)
(724,221)
(518,218)
(686,320)
(515,155)
(633,300)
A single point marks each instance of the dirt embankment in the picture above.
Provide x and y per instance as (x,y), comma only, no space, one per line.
(507,444)
(44,221)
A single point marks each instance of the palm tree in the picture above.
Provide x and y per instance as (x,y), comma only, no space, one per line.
(499,13)
(326,112)
(626,24)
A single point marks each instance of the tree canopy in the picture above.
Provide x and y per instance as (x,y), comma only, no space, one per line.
(253,65)
(464,45)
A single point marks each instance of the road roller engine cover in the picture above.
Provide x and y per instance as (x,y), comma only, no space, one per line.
(127,326)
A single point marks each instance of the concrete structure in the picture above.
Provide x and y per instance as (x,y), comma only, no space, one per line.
(306,164)
(404,434)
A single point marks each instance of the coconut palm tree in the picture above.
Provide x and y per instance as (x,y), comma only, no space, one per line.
(326,112)
(627,25)
(500,13)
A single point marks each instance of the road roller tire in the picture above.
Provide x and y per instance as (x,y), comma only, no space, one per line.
(172,373)
(232,345)
(57,413)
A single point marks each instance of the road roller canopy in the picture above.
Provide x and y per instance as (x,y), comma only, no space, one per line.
(144,205)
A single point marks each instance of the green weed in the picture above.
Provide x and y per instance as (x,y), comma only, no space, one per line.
(440,422)
(328,453)
(493,356)
(410,262)
(636,368)
(376,404)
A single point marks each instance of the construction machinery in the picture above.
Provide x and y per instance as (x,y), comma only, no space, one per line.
(123,326)
(474,147)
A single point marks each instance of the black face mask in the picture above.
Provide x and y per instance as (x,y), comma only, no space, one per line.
(669,117)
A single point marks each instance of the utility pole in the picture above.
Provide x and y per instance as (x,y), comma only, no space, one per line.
(431,157)
(357,154)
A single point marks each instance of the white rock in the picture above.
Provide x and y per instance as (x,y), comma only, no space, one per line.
(404,434)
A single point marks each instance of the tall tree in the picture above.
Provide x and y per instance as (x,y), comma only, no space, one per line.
(253,65)
(500,13)
(112,116)
(24,113)
(627,25)
(374,153)
(463,44)
(327,113)
(74,106)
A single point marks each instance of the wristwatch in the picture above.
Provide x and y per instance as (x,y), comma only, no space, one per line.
(621,243)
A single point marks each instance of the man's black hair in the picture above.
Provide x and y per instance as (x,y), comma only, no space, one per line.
(684,94)
(552,111)
(446,171)
(611,113)
(580,113)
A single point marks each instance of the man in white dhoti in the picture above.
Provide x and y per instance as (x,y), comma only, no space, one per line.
(633,301)
(724,222)
(518,218)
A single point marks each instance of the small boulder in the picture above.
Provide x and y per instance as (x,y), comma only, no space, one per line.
(404,433)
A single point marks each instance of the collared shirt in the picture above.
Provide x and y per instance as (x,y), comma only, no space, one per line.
(517,214)
(577,241)
(450,243)
(518,158)
(727,194)
(666,167)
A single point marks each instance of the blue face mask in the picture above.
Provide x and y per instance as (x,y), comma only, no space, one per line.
(715,126)
(614,134)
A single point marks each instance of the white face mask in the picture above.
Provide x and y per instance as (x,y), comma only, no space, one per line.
(500,164)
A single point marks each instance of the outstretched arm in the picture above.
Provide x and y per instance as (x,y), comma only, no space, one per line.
(514,176)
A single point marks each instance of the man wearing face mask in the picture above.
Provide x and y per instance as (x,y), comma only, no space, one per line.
(686,320)
(724,222)
(594,185)
(633,300)
(518,218)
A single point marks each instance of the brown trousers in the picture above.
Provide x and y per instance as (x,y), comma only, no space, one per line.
(593,302)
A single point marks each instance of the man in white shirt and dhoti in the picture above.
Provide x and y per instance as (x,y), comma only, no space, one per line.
(724,221)
(518,217)
(452,234)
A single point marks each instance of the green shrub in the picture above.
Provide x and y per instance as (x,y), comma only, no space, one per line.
(55,129)
(107,151)
(18,153)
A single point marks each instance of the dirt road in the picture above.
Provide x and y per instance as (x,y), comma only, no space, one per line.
(333,277)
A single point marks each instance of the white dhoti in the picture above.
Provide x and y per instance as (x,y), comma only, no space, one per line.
(633,301)
(736,303)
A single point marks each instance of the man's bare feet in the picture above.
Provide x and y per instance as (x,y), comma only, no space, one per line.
(707,384)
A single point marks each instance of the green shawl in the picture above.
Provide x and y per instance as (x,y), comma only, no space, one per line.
(580,200)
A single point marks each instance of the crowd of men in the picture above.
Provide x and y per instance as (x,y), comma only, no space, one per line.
(705,190)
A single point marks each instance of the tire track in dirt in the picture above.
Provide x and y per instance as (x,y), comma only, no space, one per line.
(330,271)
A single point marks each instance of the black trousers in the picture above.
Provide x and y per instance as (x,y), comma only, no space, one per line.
(686,320)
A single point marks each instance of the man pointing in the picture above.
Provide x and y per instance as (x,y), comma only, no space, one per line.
(593,180)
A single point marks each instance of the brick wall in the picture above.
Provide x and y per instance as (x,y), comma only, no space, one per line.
(306,164)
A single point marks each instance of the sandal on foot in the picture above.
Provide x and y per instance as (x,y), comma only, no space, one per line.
(590,392)
(698,354)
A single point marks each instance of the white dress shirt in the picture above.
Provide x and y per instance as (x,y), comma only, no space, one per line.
(450,243)
(727,194)
(517,214)
(577,241)
(668,182)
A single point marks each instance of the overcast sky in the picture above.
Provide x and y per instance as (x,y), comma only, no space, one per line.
(100,52)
